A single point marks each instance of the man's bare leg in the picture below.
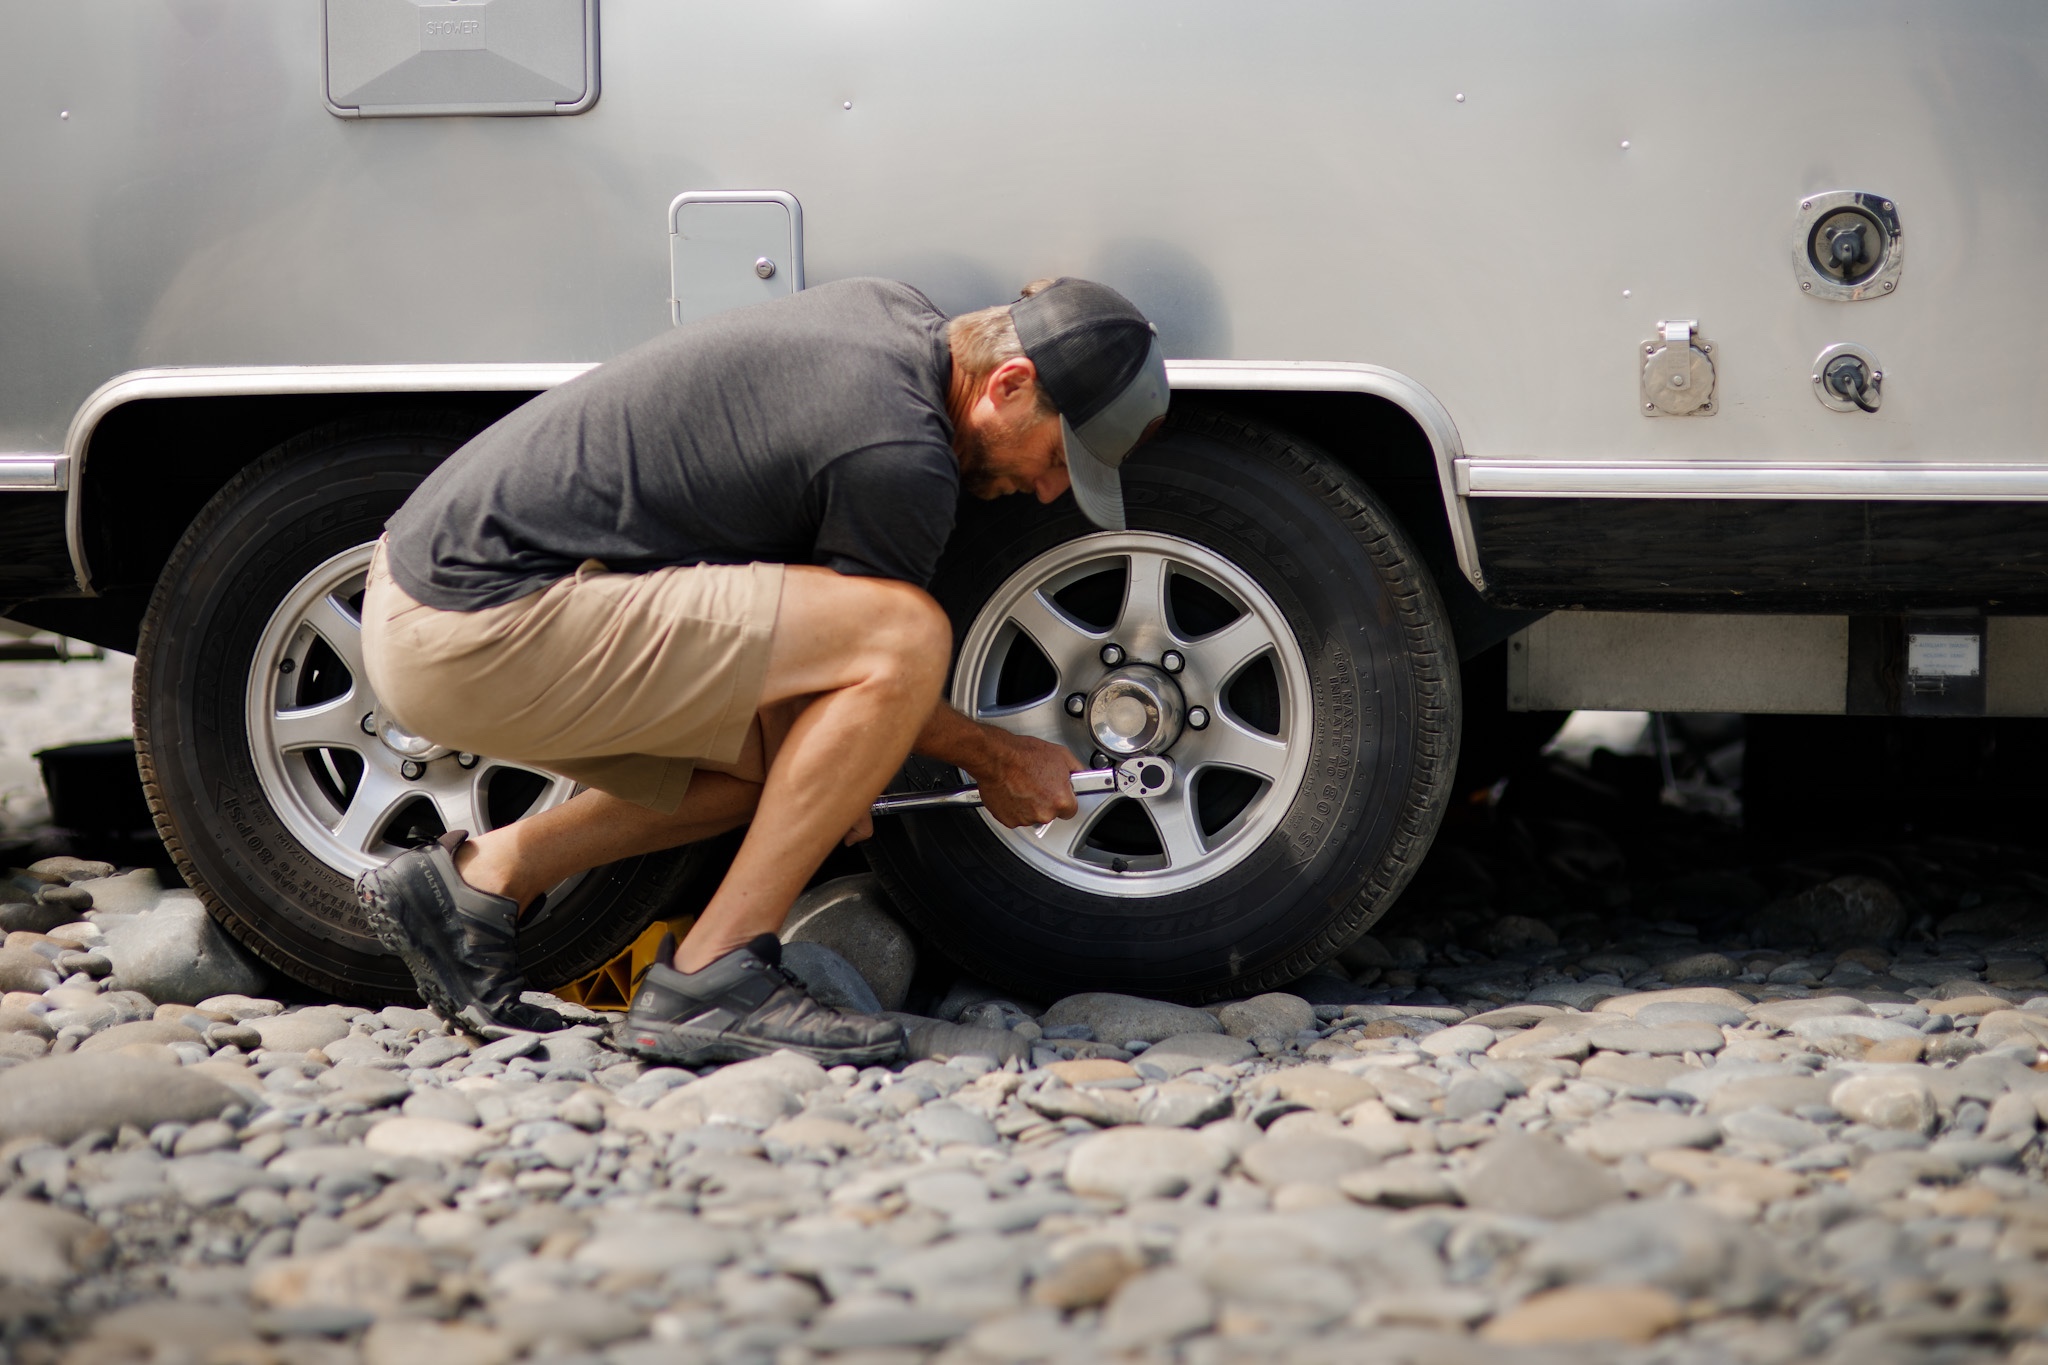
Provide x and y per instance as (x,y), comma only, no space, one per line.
(521,860)
(870,654)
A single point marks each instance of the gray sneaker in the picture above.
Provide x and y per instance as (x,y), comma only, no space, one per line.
(461,944)
(746,1004)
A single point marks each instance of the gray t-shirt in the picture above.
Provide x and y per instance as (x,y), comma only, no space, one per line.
(809,430)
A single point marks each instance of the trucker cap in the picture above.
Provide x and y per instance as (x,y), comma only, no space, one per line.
(1099,361)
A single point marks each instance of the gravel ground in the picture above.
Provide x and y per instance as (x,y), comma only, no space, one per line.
(1610,1084)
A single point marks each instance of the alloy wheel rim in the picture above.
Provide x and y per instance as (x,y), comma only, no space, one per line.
(1239,670)
(351,786)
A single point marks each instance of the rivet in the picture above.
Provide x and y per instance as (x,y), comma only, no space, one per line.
(847,105)
(1806,204)
(764,268)
(1806,284)
(1649,407)
(63,114)
(1624,293)
(1887,206)
(1459,97)
(1624,144)
(1888,285)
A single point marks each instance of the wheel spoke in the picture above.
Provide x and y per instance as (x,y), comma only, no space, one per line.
(1065,837)
(1144,610)
(458,795)
(336,622)
(1065,642)
(1229,744)
(1173,816)
(335,724)
(1218,656)
(377,796)
(1044,719)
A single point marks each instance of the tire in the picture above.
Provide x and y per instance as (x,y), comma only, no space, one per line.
(245,819)
(1357,708)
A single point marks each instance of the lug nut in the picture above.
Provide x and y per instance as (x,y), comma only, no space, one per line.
(465,760)
(370,723)
(413,769)
(1112,655)
(1198,718)
(1098,759)
(1076,704)
(1171,661)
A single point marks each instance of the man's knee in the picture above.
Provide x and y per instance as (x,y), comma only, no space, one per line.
(914,638)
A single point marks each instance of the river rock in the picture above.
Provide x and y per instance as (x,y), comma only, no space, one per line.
(60,1098)
(1624,1135)
(1846,910)
(851,916)
(24,969)
(1633,1004)
(44,1245)
(426,1138)
(1276,1161)
(412,1341)
(1448,1042)
(301,1030)
(1895,1098)
(1273,1015)
(1669,1040)
(1156,1307)
(1660,1013)
(139,1031)
(1127,1018)
(1534,1177)
(1581,1313)
(1320,1087)
(176,952)
(1190,1051)
(1142,1163)
(830,978)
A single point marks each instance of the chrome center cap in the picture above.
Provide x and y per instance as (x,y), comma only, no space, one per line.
(1136,709)
(406,744)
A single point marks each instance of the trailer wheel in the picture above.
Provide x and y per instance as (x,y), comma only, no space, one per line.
(1265,594)
(269,771)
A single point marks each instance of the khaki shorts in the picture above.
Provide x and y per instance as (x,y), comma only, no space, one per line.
(623,682)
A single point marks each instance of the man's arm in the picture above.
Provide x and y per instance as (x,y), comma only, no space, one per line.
(1023,781)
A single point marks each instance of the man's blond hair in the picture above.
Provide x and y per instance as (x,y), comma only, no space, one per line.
(986,338)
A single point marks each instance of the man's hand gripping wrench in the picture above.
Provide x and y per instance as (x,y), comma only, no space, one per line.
(1146,775)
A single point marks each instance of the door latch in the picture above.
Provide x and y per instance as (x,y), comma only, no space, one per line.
(1678,372)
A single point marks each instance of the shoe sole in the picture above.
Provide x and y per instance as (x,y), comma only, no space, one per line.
(441,993)
(698,1048)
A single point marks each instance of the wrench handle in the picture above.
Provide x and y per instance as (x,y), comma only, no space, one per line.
(1086,781)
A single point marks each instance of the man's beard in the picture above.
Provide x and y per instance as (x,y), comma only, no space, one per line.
(981,466)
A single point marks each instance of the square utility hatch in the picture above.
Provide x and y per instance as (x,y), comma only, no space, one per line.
(406,58)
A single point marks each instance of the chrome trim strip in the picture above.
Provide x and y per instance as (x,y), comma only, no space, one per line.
(1312,376)
(30,472)
(246,381)
(1506,478)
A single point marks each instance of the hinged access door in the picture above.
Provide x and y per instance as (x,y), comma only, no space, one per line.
(398,58)
(728,248)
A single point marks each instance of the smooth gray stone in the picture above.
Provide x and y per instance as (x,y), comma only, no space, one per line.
(24,969)
(934,1041)
(852,917)
(1683,1248)
(1666,1041)
(301,1030)
(174,952)
(1156,1307)
(1273,1015)
(204,1181)
(1767,1126)
(433,1052)
(1578,995)
(1535,1177)
(1116,1018)
(1624,1135)
(435,1102)
(830,978)
(1690,1012)
(60,1098)
(1474,1095)
(942,1124)
(875,1329)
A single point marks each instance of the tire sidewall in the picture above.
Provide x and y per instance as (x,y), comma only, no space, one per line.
(1287,903)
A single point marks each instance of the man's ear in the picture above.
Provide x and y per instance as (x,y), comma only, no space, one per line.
(1011,381)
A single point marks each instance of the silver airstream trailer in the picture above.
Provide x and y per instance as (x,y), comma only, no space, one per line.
(1645,354)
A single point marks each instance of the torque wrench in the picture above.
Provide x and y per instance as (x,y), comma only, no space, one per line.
(1147,775)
